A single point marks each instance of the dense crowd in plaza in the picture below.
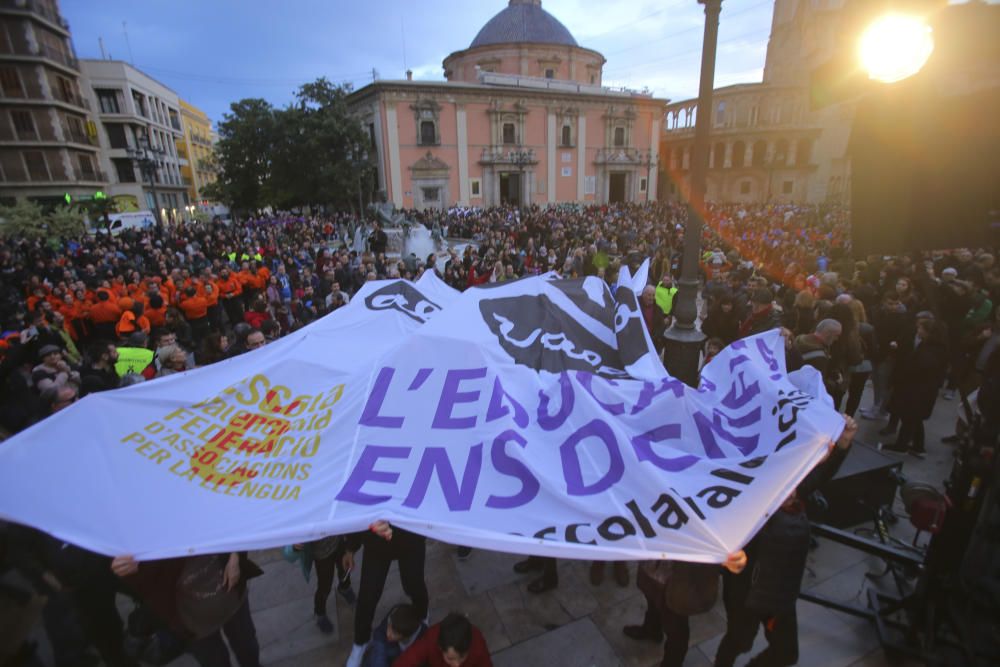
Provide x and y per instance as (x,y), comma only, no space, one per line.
(92,314)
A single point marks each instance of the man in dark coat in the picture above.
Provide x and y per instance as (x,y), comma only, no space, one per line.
(917,377)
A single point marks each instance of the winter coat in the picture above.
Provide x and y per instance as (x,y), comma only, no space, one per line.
(918,374)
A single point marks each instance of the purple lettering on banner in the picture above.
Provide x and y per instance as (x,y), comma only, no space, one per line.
(741,395)
(497,409)
(642,444)
(451,396)
(572,471)
(737,360)
(709,430)
(651,391)
(551,422)
(586,381)
(706,385)
(459,499)
(769,359)
(370,415)
(738,345)
(419,379)
(364,471)
(505,464)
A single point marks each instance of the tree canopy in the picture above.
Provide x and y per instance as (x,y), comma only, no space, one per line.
(309,154)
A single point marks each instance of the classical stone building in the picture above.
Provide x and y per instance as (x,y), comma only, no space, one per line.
(521,117)
(768,143)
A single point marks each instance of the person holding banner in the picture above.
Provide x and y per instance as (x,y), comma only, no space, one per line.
(765,593)
(384,544)
(200,598)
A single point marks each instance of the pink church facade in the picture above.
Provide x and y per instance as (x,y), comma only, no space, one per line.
(521,118)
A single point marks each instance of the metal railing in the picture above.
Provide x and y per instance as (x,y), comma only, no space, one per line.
(60,56)
(95,176)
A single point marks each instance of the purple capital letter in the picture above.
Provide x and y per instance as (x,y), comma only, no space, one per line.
(505,464)
(370,416)
(450,396)
(364,471)
(571,460)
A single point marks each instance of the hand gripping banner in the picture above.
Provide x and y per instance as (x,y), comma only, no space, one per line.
(529,416)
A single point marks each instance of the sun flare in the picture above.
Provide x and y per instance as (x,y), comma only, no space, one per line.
(895,47)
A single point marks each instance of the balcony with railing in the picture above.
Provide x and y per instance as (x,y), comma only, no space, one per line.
(91,176)
(69,97)
(42,10)
(78,136)
(59,55)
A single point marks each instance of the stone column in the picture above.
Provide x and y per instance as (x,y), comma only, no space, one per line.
(550,157)
(461,125)
(581,156)
(396,175)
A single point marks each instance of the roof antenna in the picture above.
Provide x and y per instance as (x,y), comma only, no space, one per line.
(100,42)
(131,58)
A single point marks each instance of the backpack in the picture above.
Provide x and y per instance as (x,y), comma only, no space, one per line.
(686,589)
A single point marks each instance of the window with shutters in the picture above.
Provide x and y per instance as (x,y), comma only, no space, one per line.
(34,162)
(125,170)
(567,135)
(10,80)
(509,134)
(86,165)
(108,100)
(116,135)
(550,73)
(24,125)
(428,133)
(619,137)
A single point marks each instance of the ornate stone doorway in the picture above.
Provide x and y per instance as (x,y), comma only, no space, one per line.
(510,188)
(616,187)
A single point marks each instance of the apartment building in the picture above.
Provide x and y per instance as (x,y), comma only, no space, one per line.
(48,137)
(139,127)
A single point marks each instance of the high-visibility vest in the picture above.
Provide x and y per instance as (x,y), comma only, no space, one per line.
(132,360)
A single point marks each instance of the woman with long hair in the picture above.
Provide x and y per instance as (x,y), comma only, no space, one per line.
(858,374)
(847,351)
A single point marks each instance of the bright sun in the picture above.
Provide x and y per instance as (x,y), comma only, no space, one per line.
(895,46)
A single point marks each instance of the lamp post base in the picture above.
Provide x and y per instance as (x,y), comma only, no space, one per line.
(682,353)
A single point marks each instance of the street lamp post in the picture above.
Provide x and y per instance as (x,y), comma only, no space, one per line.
(521,159)
(684,339)
(359,158)
(147,159)
(647,159)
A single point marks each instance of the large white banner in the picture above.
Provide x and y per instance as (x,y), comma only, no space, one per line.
(531,417)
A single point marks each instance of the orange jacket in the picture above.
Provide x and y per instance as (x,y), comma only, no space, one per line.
(194,307)
(212,298)
(157,316)
(129,323)
(104,312)
(230,287)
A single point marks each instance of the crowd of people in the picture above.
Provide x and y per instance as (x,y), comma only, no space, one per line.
(92,314)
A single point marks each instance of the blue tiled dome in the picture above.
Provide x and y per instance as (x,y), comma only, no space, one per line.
(523,21)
